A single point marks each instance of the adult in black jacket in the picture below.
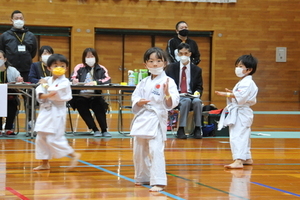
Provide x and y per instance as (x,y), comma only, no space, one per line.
(193,85)
(91,73)
(182,37)
(19,44)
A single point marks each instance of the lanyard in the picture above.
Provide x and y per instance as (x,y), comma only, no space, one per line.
(92,73)
(43,68)
(21,40)
(4,76)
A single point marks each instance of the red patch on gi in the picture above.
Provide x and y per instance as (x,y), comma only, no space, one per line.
(157,86)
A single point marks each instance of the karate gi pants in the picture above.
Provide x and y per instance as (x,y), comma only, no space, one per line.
(51,145)
(240,142)
(149,160)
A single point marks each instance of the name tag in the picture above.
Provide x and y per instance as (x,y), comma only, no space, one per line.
(21,48)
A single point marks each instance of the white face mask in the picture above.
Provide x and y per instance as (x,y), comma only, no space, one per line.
(90,61)
(1,62)
(156,70)
(239,72)
(18,23)
(184,59)
(45,58)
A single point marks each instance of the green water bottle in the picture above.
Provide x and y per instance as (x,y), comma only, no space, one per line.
(136,76)
(144,73)
(140,77)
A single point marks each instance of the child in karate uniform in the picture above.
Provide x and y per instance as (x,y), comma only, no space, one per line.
(240,116)
(151,100)
(52,94)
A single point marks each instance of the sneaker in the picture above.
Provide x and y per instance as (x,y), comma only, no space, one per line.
(106,134)
(97,134)
(10,133)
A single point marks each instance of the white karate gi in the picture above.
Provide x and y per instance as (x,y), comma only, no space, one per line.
(50,124)
(148,154)
(240,117)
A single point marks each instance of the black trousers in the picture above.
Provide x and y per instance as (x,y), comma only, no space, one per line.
(97,105)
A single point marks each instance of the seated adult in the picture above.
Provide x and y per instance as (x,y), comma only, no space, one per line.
(188,78)
(91,73)
(9,74)
(39,69)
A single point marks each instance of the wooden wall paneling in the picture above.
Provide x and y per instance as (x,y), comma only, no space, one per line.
(109,49)
(82,37)
(135,47)
(59,45)
(161,41)
(204,45)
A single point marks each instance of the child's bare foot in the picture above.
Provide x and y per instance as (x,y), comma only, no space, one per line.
(248,162)
(157,188)
(74,160)
(237,164)
(41,167)
(142,183)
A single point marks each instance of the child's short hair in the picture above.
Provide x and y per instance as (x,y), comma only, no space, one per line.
(159,53)
(57,57)
(249,61)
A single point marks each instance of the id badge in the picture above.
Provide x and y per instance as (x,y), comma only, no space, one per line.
(21,48)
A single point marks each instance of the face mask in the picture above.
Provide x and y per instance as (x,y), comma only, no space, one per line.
(184,59)
(239,72)
(1,62)
(90,61)
(58,71)
(156,70)
(184,32)
(18,24)
(45,58)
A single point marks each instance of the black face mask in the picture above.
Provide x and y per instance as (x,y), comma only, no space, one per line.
(184,32)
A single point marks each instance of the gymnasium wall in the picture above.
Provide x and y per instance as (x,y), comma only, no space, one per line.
(248,26)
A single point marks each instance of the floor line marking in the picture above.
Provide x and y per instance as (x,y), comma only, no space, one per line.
(128,179)
(119,175)
(16,193)
(273,188)
(198,183)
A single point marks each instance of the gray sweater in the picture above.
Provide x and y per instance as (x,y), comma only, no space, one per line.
(12,74)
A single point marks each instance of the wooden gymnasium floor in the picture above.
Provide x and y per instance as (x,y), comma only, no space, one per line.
(194,167)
